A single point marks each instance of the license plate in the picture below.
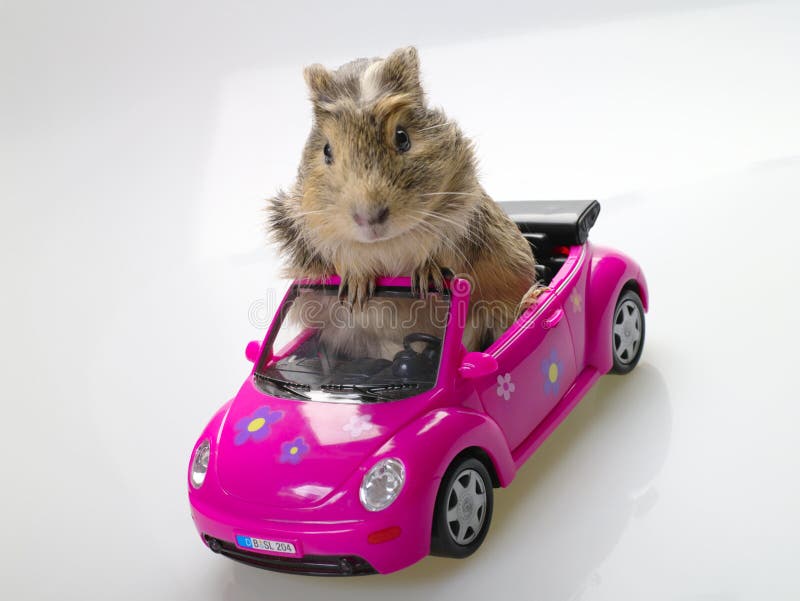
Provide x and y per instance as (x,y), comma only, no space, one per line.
(263,544)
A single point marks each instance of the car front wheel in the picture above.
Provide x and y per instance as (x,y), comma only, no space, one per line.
(627,332)
(463,509)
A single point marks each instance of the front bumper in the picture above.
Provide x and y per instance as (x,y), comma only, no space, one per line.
(309,565)
(323,548)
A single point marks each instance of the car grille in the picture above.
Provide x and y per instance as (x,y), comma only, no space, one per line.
(308,565)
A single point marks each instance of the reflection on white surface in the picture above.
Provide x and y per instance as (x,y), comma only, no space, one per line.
(137,144)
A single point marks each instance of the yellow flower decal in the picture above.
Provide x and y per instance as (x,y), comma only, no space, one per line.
(577,301)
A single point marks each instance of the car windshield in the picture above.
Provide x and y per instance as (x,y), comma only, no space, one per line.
(322,350)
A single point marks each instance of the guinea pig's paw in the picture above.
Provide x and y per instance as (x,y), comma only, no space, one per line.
(531,297)
(424,276)
(355,291)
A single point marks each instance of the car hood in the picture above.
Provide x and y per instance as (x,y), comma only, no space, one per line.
(292,453)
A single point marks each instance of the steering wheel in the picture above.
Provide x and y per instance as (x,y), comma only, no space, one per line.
(408,363)
(432,344)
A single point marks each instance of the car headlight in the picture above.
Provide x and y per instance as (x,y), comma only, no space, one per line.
(381,484)
(200,464)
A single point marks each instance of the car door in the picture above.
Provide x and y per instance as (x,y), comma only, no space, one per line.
(536,367)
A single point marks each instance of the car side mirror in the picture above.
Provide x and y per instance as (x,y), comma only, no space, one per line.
(252,351)
(478,365)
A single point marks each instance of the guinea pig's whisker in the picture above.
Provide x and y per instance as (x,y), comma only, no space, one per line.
(431,230)
(460,232)
(305,213)
(451,194)
(433,215)
(464,231)
(422,213)
(459,254)
(435,126)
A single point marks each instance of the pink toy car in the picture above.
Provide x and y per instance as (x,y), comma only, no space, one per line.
(329,464)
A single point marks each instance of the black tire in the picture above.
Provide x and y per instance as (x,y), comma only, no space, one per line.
(627,332)
(449,537)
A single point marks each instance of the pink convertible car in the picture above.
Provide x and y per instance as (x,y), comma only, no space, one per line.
(328,463)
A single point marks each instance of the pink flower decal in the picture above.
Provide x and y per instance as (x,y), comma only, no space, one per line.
(293,451)
(256,426)
(505,387)
(358,424)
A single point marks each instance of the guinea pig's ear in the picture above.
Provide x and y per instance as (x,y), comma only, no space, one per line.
(320,83)
(400,71)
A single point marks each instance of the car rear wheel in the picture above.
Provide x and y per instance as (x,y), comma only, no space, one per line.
(627,332)
(463,509)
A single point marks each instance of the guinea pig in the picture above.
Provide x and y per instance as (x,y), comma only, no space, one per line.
(388,186)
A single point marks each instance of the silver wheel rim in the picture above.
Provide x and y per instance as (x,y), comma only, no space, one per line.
(466,506)
(627,331)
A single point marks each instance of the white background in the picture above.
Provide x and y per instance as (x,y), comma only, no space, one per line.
(138,141)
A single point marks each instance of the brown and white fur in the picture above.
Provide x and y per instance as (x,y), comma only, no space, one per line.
(371,209)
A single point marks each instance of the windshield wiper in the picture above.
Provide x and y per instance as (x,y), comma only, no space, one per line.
(286,385)
(369,389)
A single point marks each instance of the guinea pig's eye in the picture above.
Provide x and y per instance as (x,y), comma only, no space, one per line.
(328,153)
(401,140)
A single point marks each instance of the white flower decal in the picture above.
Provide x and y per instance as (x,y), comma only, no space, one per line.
(505,386)
(358,424)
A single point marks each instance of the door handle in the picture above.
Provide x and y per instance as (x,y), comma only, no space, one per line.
(554,319)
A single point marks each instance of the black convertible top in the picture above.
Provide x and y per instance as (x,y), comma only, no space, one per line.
(562,222)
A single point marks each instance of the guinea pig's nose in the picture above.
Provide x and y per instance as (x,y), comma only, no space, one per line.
(371,218)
